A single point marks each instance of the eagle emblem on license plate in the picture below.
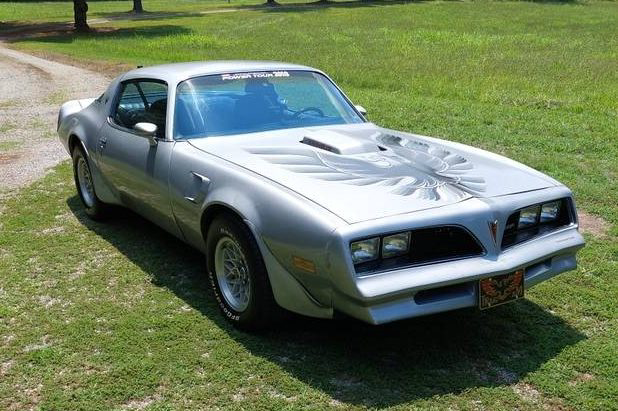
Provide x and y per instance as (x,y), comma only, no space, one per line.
(501,289)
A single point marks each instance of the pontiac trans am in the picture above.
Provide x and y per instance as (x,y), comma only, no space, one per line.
(300,203)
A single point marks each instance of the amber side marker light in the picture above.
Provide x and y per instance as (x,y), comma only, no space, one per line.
(303,264)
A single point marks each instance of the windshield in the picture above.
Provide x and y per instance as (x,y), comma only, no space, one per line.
(237,103)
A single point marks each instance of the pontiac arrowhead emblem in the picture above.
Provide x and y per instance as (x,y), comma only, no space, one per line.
(493,229)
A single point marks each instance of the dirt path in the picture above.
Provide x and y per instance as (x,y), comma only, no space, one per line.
(31,92)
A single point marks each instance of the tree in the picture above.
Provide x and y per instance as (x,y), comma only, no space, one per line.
(137,6)
(80,10)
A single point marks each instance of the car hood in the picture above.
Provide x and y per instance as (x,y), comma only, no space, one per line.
(361,171)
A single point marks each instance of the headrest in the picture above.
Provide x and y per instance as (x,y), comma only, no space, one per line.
(159,106)
(259,86)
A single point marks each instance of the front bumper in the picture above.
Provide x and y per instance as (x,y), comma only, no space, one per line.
(433,288)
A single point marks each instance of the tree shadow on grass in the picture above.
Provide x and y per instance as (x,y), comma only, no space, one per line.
(65,33)
(326,4)
(556,2)
(21,29)
(322,4)
(146,15)
(352,362)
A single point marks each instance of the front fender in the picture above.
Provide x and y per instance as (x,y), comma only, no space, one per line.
(289,228)
(289,293)
(297,290)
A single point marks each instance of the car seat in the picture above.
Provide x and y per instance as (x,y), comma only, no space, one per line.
(156,114)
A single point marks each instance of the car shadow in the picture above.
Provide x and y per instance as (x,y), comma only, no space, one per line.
(352,362)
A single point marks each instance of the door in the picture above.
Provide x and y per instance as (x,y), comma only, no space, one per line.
(135,166)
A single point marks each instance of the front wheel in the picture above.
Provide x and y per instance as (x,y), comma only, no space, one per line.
(95,208)
(238,276)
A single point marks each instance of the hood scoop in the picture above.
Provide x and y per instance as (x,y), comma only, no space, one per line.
(339,143)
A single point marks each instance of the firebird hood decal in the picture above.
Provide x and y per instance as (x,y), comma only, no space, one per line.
(403,167)
(362,172)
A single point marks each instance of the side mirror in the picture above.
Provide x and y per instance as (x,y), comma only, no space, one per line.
(147,130)
(361,110)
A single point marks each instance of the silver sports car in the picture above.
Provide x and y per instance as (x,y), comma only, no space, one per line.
(300,203)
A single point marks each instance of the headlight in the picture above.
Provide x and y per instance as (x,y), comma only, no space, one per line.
(396,244)
(528,216)
(365,250)
(550,211)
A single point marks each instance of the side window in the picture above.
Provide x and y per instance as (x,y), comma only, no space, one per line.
(142,102)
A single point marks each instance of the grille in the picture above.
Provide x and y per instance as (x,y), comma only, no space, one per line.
(513,235)
(429,245)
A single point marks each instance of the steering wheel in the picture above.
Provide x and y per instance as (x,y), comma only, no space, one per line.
(304,110)
(125,117)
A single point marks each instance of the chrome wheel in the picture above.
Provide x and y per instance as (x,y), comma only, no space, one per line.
(232,274)
(85,182)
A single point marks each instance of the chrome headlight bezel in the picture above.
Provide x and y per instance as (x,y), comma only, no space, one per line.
(375,247)
(539,218)
(424,245)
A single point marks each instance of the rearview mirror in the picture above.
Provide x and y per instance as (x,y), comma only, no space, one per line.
(148,130)
(361,110)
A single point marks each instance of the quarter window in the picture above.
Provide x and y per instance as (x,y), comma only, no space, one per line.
(142,102)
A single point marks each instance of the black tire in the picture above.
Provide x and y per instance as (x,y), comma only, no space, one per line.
(261,311)
(95,208)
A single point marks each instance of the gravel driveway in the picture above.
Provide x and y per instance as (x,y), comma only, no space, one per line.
(31,92)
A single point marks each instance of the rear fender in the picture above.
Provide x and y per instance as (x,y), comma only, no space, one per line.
(68,123)
(73,128)
(72,107)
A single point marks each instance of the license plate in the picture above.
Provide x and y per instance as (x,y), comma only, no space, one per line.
(501,289)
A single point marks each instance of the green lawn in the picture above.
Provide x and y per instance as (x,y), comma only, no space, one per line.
(52,11)
(117,315)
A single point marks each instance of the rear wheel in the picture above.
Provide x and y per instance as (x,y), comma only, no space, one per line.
(238,276)
(95,208)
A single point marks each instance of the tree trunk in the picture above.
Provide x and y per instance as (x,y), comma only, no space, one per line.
(80,10)
(137,6)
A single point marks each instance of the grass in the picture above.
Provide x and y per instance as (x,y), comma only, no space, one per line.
(8,145)
(537,82)
(7,127)
(107,316)
(7,104)
(57,97)
(63,10)
(56,11)
(117,315)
